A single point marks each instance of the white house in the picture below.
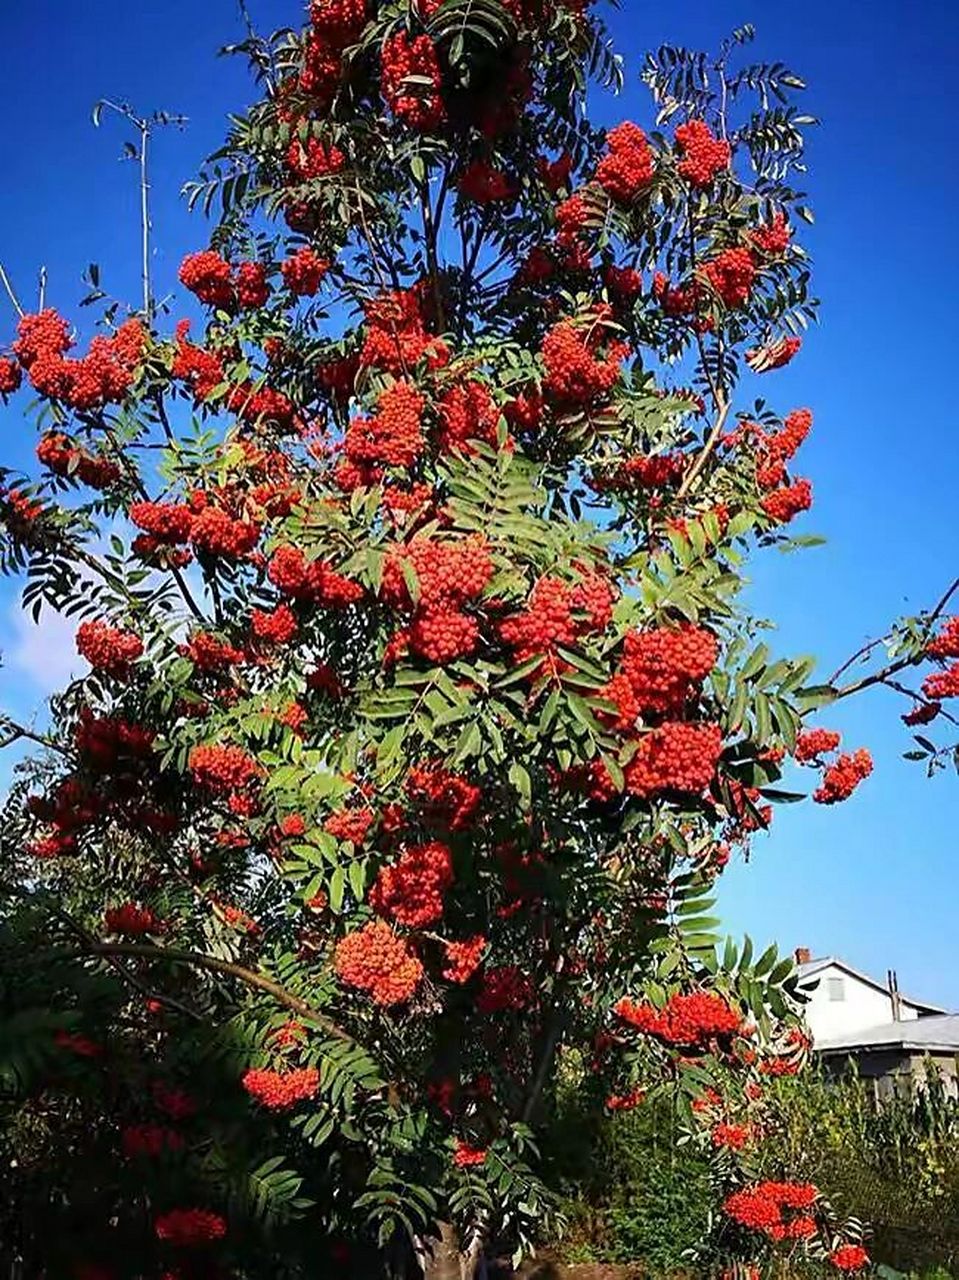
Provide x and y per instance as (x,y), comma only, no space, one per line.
(889,1036)
(843,1001)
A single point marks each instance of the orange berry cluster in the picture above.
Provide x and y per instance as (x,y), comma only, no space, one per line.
(222,768)
(760,1208)
(311,580)
(627,168)
(418,105)
(394,435)
(374,959)
(689,1020)
(576,374)
(675,757)
(277,627)
(190,1228)
(108,649)
(350,824)
(661,670)
(814,743)
(467,412)
(66,459)
(704,155)
(463,958)
(842,778)
(731,275)
(303,272)
(131,921)
(411,890)
(281,1090)
(103,376)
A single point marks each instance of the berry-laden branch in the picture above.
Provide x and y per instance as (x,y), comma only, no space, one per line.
(891,669)
(197,960)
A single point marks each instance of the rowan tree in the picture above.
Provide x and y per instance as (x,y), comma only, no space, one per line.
(422,711)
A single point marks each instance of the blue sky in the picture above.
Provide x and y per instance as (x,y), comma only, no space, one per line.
(873,880)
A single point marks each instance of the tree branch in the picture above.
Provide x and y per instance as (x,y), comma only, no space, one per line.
(249,977)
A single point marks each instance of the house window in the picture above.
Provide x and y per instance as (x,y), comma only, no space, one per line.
(836,989)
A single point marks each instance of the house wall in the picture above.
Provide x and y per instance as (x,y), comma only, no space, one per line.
(861,1007)
(896,1070)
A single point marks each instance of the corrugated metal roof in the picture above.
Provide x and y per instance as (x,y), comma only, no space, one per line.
(921,1034)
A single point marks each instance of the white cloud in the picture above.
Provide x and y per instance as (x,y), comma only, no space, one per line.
(43,652)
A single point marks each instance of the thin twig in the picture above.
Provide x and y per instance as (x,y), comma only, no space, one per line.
(8,289)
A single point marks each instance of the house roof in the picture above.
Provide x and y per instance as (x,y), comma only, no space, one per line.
(814,967)
(924,1035)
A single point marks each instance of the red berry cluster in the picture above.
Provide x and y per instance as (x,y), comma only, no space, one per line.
(216,283)
(410,891)
(103,376)
(627,168)
(336,24)
(216,533)
(675,757)
(281,1090)
(208,652)
(105,742)
(108,649)
(505,987)
(131,921)
(350,824)
(463,958)
(152,1140)
(374,959)
(467,1157)
(10,376)
(467,412)
(946,643)
(394,435)
(842,778)
(815,743)
(222,768)
(484,184)
(942,684)
(733,1137)
(774,237)
(704,155)
(626,1101)
(165,522)
(63,458)
(661,670)
(190,1228)
(849,1257)
(555,174)
(303,272)
(624,283)
(449,575)
(783,505)
(274,628)
(311,580)
(761,1208)
(691,1020)
(396,336)
(442,798)
(577,374)
(313,159)
(406,64)
(731,275)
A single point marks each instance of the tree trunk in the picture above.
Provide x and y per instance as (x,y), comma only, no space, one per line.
(441,1258)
